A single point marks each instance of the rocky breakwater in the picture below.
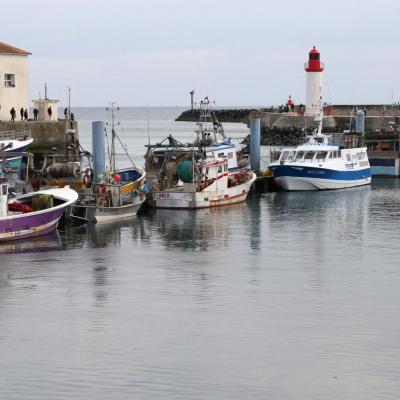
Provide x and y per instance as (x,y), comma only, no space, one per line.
(287,129)
(223,115)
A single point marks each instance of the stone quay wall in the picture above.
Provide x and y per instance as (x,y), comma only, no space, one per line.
(280,129)
(46,135)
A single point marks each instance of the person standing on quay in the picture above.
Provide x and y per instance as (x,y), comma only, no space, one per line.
(21,113)
(35,114)
(13,114)
(50,112)
(26,114)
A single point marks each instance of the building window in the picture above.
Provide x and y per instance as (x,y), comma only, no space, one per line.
(9,80)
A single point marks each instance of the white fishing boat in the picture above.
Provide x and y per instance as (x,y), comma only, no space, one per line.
(205,183)
(210,142)
(117,196)
(319,164)
(14,142)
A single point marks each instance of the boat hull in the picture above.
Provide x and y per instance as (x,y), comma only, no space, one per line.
(37,223)
(312,178)
(178,199)
(29,226)
(105,214)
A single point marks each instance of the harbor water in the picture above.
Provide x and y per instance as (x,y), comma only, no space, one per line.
(287,296)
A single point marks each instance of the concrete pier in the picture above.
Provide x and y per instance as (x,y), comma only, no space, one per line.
(46,134)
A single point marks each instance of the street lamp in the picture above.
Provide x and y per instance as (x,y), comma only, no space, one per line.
(69,102)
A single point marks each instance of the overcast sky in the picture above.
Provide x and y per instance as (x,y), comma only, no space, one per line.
(237,52)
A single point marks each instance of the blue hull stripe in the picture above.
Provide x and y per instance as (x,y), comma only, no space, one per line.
(320,173)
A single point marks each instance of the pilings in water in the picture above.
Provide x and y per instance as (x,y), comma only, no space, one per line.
(255,141)
(98,148)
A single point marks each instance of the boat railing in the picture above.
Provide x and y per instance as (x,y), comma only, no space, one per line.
(13,135)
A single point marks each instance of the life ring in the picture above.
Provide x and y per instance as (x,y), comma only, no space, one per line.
(86,179)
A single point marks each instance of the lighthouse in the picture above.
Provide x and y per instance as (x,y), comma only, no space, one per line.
(314,69)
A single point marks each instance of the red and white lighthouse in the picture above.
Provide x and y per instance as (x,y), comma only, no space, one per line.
(314,69)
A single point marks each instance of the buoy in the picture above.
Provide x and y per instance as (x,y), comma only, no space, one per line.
(117,178)
(267,172)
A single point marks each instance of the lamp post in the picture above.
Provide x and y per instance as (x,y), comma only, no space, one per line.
(69,102)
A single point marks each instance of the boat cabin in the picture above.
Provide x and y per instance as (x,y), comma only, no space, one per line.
(322,155)
(227,150)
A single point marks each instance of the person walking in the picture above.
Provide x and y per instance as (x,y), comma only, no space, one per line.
(66,112)
(21,113)
(26,114)
(13,114)
(50,112)
(35,114)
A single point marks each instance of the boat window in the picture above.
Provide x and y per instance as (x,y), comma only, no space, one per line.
(309,155)
(207,170)
(330,154)
(2,145)
(340,153)
(225,167)
(348,156)
(284,156)
(221,155)
(291,155)
(10,145)
(299,155)
(4,190)
(321,155)
(230,155)
(220,168)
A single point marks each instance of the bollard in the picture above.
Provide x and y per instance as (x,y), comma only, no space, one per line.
(98,148)
(360,121)
(255,140)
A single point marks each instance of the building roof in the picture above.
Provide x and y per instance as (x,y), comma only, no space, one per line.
(8,49)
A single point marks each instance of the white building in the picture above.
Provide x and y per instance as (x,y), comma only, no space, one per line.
(14,80)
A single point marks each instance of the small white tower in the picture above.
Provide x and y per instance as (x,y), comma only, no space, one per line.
(314,69)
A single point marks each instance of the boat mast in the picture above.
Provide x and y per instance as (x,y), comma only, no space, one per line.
(112,108)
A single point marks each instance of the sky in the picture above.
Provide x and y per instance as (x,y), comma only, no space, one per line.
(238,53)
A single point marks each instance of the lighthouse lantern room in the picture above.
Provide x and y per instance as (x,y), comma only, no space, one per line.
(314,69)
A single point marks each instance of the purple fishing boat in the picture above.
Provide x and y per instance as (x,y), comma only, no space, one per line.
(32,214)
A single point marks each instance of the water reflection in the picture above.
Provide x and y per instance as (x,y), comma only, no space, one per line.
(199,229)
(322,215)
(33,245)
(104,235)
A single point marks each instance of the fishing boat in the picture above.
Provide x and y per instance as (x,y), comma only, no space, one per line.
(14,142)
(205,182)
(117,195)
(211,141)
(320,164)
(32,214)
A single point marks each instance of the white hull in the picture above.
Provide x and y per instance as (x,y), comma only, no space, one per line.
(303,183)
(192,200)
(105,214)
